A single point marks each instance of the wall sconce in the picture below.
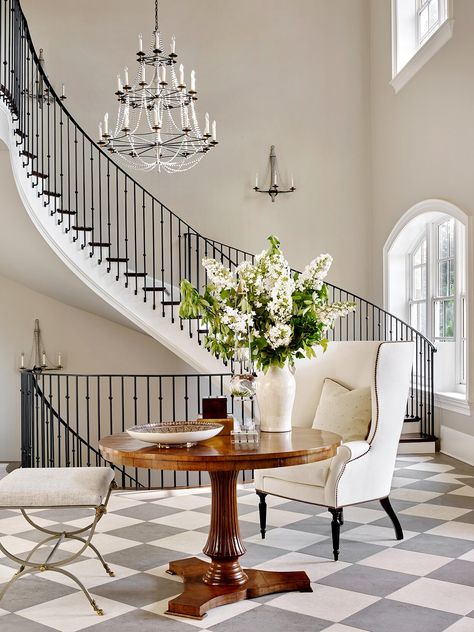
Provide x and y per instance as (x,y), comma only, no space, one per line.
(274,188)
(40,362)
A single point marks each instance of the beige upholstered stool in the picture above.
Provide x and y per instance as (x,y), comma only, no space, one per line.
(58,487)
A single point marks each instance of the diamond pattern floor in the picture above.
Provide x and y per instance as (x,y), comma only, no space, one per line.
(423,583)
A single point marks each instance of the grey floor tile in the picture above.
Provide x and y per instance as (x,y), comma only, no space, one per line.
(14,623)
(146,511)
(145,532)
(364,579)
(350,551)
(436,545)
(140,621)
(65,515)
(468,517)
(32,590)
(452,500)
(305,508)
(410,523)
(419,474)
(258,554)
(142,557)
(139,590)
(318,525)
(393,616)
(457,572)
(269,619)
(432,486)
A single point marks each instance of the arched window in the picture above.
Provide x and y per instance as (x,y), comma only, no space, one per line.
(425,262)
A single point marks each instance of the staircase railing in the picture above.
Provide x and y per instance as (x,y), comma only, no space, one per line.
(129,231)
(63,417)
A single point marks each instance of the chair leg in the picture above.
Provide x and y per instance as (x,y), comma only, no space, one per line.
(385,502)
(337,521)
(262,510)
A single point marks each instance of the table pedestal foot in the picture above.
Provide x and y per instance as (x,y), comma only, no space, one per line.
(198,597)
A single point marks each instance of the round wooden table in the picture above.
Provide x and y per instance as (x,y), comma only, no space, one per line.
(223,580)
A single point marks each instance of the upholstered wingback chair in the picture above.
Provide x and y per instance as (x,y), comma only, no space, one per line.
(361,470)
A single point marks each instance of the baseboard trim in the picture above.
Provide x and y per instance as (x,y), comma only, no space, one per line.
(417,447)
(457,444)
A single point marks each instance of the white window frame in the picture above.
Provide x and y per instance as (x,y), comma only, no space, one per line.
(435,296)
(420,7)
(409,54)
(398,244)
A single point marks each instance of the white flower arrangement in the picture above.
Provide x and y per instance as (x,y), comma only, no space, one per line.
(283,315)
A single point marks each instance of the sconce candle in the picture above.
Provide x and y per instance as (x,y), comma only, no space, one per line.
(273,188)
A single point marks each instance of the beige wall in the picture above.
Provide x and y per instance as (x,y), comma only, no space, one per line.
(422,137)
(293,74)
(89,344)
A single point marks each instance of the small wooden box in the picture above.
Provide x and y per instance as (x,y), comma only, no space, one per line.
(227,422)
(214,407)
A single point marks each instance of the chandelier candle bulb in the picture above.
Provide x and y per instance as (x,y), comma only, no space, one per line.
(163,75)
(173,45)
(106,123)
(157,40)
(119,84)
(256,180)
(214,131)
(181,75)
(292,182)
(193,81)
(125,71)
(63,91)
(206,131)
(140,43)
(156,120)
(126,120)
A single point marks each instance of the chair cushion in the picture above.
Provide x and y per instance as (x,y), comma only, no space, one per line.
(56,487)
(307,474)
(343,411)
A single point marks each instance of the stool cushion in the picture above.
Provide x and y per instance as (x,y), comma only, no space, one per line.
(56,487)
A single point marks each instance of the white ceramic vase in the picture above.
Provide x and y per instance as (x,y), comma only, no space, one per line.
(275,397)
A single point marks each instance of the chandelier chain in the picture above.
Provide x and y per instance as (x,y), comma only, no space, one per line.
(156,15)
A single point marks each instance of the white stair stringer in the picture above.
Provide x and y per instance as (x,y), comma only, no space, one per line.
(95,276)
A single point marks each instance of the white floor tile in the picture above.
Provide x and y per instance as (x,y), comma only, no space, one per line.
(272,501)
(410,562)
(315,567)
(107,543)
(118,502)
(184,502)
(6,573)
(466,624)
(402,481)
(438,512)
(373,534)
(359,514)
(275,517)
(191,542)
(469,557)
(73,612)
(340,627)
(413,495)
(430,467)
(16,545)
(17,524)
(160,571)
(461,530)
(214,616)
(185,520)
(431,593)
(91,573)
(325,602)
(447,478)
(415,459)
(109,522)
(288,539)
(463,491)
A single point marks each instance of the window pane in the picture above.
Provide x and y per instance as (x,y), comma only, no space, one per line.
(443,240)
(433,13)
(419,283)
(444,319)
(418,316)
(423,23)
(451,238)
(443,268)
(449,319)
(452,277)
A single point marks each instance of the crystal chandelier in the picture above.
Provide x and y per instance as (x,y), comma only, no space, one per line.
(157,126)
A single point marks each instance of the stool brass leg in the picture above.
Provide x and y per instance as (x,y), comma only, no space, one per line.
(96,551)
(92,602)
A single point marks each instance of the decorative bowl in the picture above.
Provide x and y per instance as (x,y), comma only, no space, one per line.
(179,434)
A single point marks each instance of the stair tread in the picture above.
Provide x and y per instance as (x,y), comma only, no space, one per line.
(117,259)
(203,331)
(85,229)
(170,302)
(100,244)
(154,289)
(18,132)
(416,437)
(38,174)
(135,274)
(65,212)
(27,154)
(51,193)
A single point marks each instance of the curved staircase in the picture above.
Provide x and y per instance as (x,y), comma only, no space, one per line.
(125,244)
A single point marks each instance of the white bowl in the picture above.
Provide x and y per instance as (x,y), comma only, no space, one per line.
(175,434)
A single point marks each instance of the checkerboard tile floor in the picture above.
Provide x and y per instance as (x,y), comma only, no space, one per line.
(423,583)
